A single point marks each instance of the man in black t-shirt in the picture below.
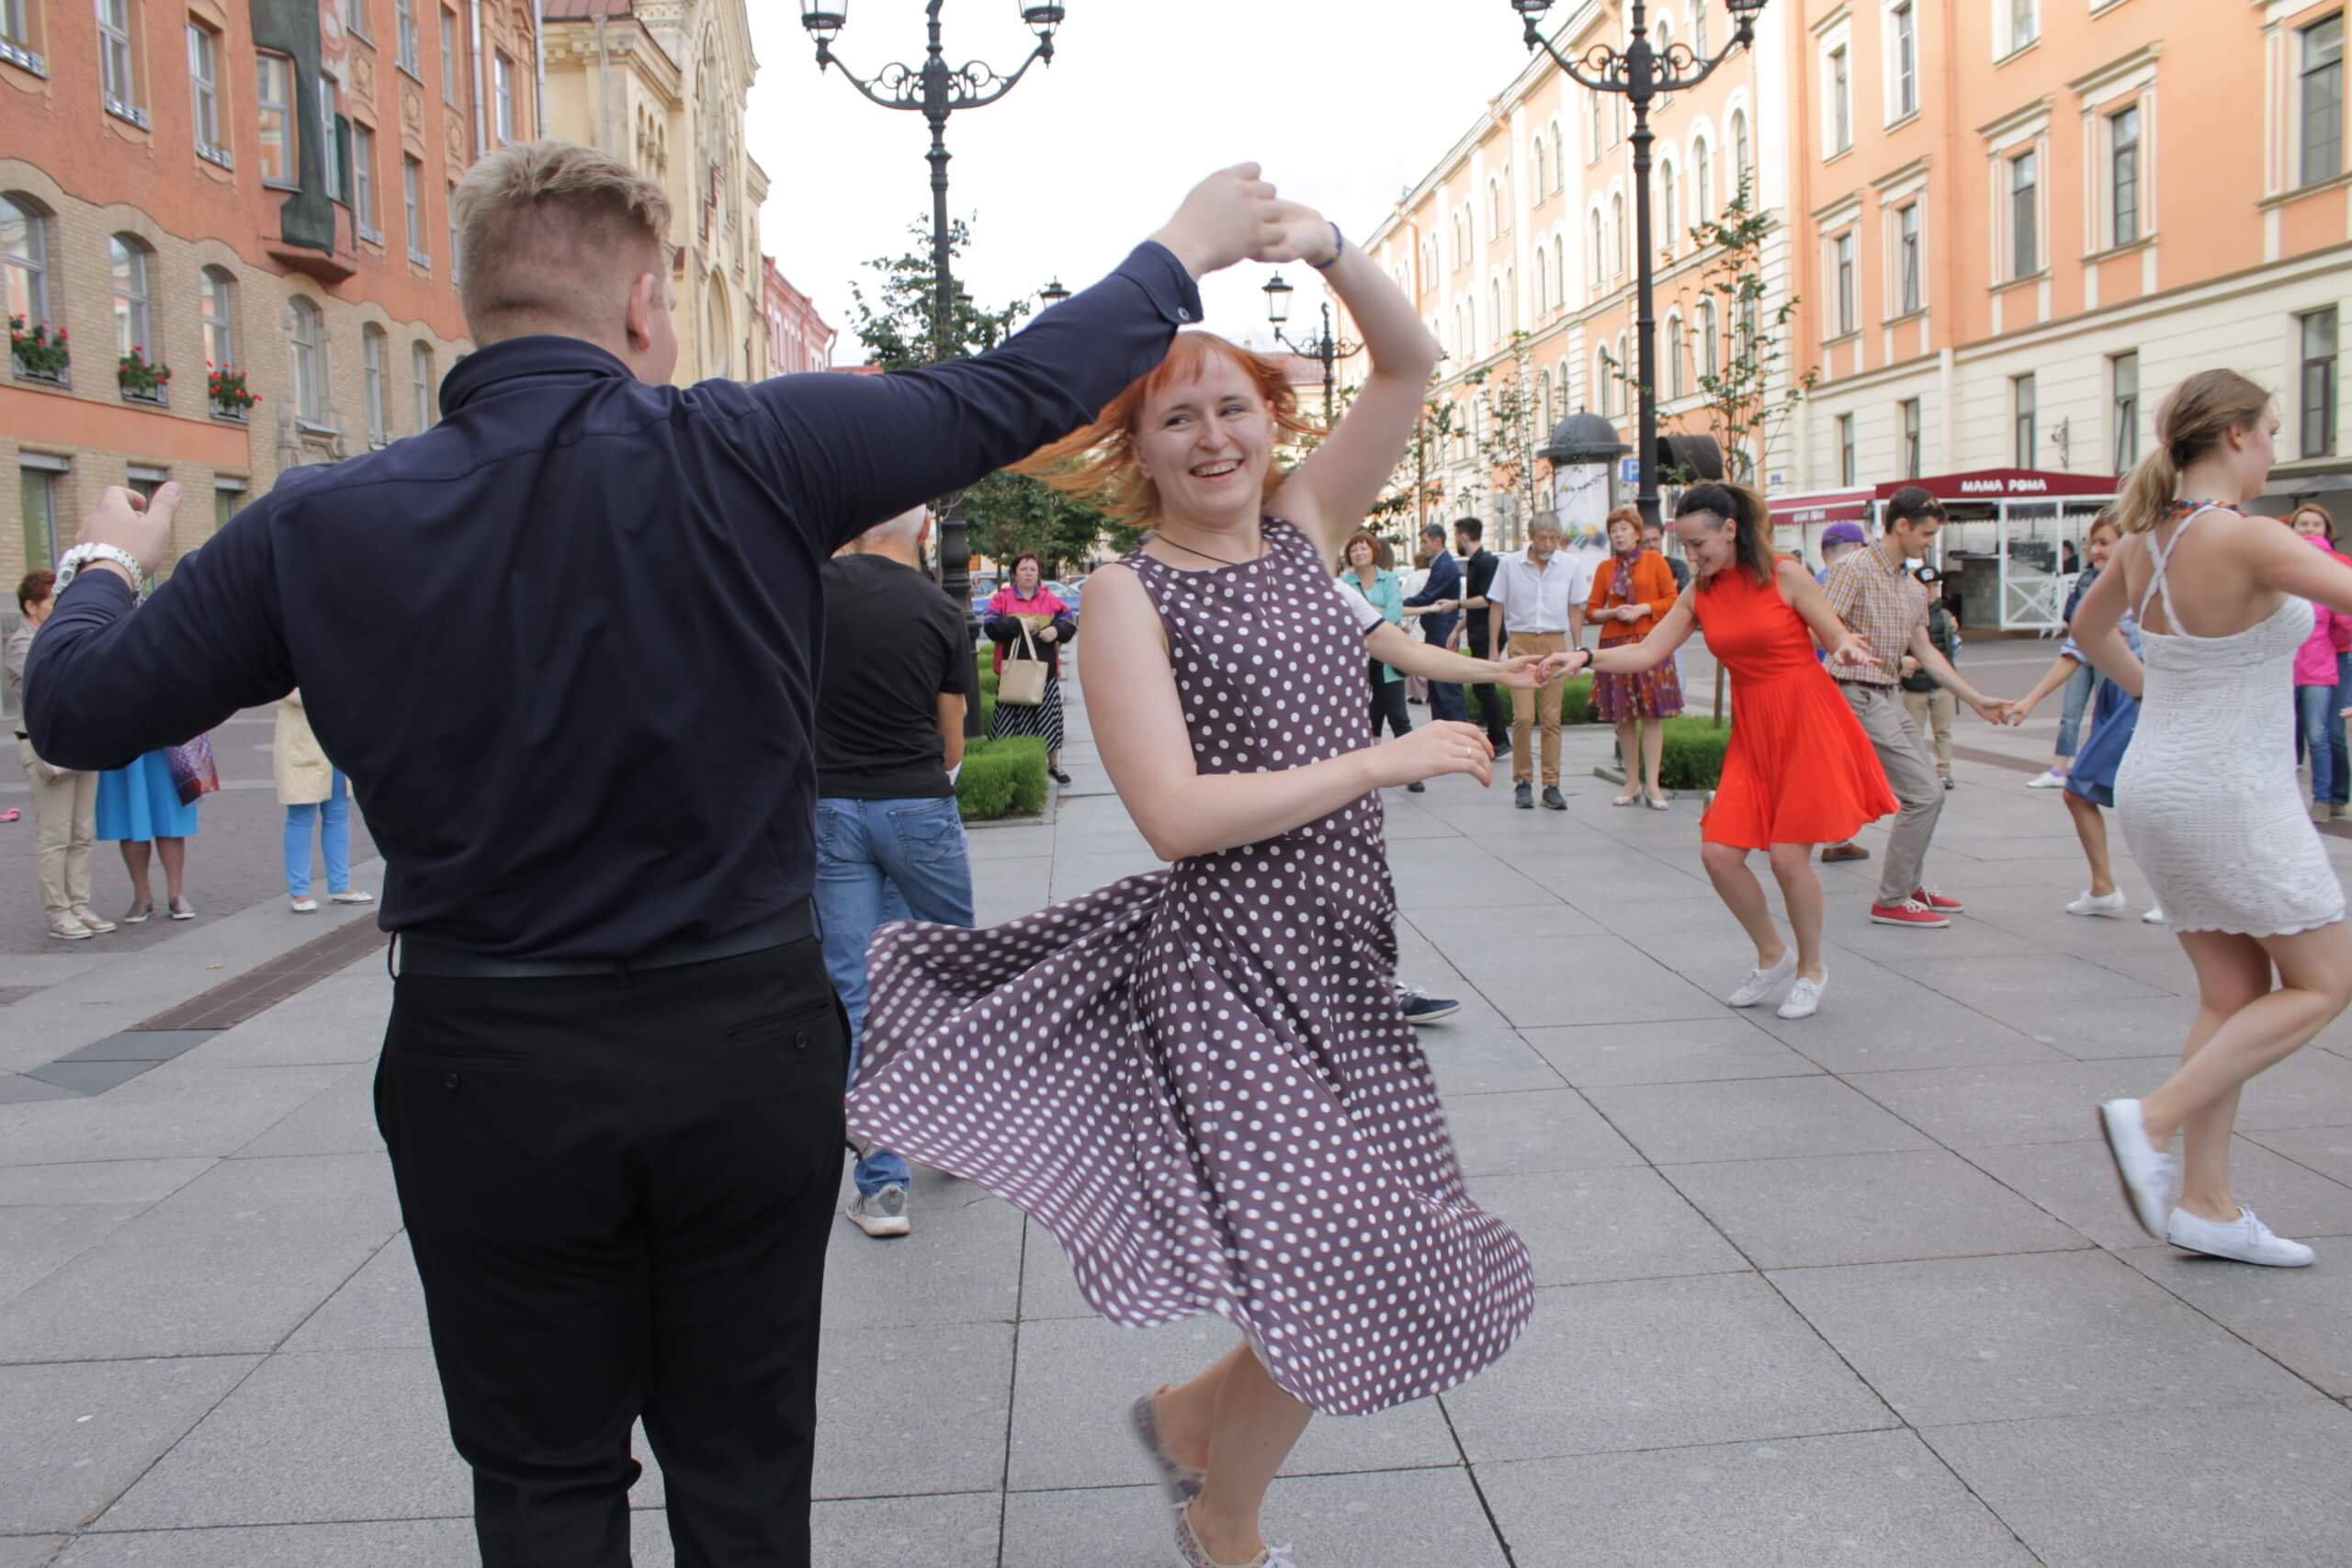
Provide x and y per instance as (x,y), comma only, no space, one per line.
(889,734)
(1478,564)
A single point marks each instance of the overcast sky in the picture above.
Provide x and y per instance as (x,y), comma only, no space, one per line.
(1344,102)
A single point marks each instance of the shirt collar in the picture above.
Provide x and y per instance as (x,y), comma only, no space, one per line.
(487,372)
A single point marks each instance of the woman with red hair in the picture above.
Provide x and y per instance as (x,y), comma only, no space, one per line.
(1200,1079)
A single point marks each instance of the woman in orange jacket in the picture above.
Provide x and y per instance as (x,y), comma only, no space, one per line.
(1629,591)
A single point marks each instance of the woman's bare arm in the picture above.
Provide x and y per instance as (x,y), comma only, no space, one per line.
(1811,606)
(1673,629)
(2098,619)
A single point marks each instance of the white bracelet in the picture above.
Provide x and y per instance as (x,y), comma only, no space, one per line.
(69,566)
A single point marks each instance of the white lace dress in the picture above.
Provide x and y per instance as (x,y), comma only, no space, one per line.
(2207,794)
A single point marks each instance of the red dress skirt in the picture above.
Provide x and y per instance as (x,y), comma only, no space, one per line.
(1799,769)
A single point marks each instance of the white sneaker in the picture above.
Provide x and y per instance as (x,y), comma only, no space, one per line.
(306,906)
(1762,983)
(2049,778)
(353,896)
(2109,905)
(883,1213)
(2244,1240)
(2153,916)
(2144,1170)
(65,928)
(1805,997)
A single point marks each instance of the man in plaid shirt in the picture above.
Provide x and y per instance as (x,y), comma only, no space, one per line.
(1873,591)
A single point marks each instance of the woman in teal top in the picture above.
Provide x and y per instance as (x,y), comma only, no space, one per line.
(1386,593)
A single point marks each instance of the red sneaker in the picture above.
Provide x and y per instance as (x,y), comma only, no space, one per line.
(1941,903)
(1909,912)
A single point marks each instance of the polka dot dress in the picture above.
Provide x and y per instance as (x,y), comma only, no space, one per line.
(1200,1079)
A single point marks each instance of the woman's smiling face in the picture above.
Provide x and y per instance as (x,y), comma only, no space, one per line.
(1206,444)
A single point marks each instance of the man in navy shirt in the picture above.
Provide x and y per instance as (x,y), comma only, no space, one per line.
(1443,587)
(565,645)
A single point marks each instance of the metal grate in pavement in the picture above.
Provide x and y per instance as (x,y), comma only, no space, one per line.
(233,1001)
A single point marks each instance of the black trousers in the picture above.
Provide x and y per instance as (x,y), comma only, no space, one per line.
(619,1189)
(1388,704)
(1493,699)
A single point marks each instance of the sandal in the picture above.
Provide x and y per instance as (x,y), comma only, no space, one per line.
(1633,799)
(1657,802)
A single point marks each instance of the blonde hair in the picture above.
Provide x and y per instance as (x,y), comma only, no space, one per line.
(555,232)
(2190,423)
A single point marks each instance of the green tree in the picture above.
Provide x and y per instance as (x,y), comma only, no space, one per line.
(1418,484)
(1007,512)
(1749,394)
(1511,432)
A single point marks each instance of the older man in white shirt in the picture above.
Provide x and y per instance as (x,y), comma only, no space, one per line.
(1542,591)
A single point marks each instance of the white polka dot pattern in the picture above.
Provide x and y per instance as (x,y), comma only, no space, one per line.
(1200,1079)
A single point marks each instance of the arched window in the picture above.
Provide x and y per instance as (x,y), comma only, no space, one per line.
(715,359)
(1543,281)
(1560,269)
(1617,234)
(1542,158)
(1707,341)
(1605,374)
(1702,181)
(24,259)
(1740,168)
(1495,308)
(1592,127)
(1511,295)
(1699,28)
(1672,343)
(1593,283)
(134,319)
(1668,214)
(1494,208)
(219,295)
(1559,158)
(372,372)
(1470,319)
(306,339)
(420,369)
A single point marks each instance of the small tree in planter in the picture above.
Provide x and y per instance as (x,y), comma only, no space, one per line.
(36,352)
(230,396)
(141,377)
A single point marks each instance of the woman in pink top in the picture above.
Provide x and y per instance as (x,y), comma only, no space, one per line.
(2315,691)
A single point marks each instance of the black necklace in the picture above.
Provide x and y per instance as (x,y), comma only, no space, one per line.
(1222,560)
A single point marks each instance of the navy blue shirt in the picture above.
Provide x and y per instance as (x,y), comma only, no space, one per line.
(1445,583)
(566,643)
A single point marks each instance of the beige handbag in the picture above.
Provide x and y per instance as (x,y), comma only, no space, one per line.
(1021,682)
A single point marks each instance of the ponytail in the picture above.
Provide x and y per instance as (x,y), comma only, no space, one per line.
(2148,493)
(1742,507)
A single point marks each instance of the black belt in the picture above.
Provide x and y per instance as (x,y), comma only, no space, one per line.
(423,955)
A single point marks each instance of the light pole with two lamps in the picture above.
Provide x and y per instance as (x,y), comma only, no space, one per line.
(1640,74)
(1326,349)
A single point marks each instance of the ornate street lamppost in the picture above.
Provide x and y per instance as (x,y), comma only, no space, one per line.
(936,90)
(1324,347)
(1640,74)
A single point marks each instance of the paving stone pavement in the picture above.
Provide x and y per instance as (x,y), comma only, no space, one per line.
(1851,1290)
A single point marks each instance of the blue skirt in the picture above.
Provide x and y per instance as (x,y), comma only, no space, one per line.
(2114,716)
(140,803)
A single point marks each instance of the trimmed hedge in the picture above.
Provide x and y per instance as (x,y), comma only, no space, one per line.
(1692,758)
(1003,778)
(1575,703)
(987,699)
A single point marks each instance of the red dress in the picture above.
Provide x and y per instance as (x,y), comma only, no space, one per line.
(1799,769)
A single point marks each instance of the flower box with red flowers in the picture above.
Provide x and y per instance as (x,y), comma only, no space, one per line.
(228,393)
(141,379)
(38,354)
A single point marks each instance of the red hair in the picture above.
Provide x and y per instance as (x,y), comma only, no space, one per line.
(1098,461)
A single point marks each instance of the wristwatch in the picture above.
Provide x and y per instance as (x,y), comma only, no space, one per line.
(69,566)
(1339,244)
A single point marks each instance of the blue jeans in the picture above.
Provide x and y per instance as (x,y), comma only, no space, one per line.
(1448,701)
(879,860)
(333,818)
(2315,715)
(2340,771)
(2078,701)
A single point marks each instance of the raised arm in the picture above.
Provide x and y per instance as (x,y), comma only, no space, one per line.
(2097,625)
(1671,632)
(1327,494)
(1139,730)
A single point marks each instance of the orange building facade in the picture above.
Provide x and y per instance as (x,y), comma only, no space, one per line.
(798,337)
(226,240)
(2002,230)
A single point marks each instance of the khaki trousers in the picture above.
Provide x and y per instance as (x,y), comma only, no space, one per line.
(65,823)
(1931,713)
(1527,709)
(1910,774)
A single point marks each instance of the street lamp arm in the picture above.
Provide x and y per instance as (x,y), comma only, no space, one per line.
(1600,67)
(1604,68)
(900,84)
(977,84)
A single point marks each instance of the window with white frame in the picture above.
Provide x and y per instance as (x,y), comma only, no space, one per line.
(20,35)
(1902,35)
(1839,128)
(1676,357)
(1493,207)
(204,90)
(371,375)
(1593,144)
(2123,176)
(1617,234)
(2317,429)
(448,55)
(1560,268)
(118,60)
(1543,281)
(37,482)
(1702,180)
(412,201)
(1559,158)
(1909,261)
(1911,455)
(354,18)
(328,139)
(1495,311)
(2025,214)
(2123,409)
(306,339)
(1542,153)
(2320,83)
(363,181)
(219,297)
(419,371)
(456,238)
(502,83)
(2017,23)
(1598,254)
(134,318)
(1841,261)
(274,106)
(404,33)
(1709,343)
(24,260)
(1668,209)
(1846,450)
(2025,440)
(1742,164)
(1699,28)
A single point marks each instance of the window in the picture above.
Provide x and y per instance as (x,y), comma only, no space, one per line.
(1540,153)
(1841,101)
(1597,254)
(1742,170)
(1843,247)
(1911,454)
(2024,443)
(1699,29)
(1592,127)
(133,321)
(1676,356)
(274,103)
(1494,208)
(457,248)
(1707,340)
(405,31)
(219,293)
(372,372)
(1495,311)
(1902,50)
(2025,229)
(2024,24)
(2322,80)
(449,57)
(412,201)
(1907,259)
(1617,236)
(20,38)
(24,260)
(420,368)
(1560,268)
(2318,424)
(363,181)
(2123,173)
(1702,180)
(1667,210)
(37,489)
(204,84)
(118,60)
(227,498)
(1559,158)
(2123,376)
(328,139)
(306,338)
(1846,450)
(501,81)
(354,18)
